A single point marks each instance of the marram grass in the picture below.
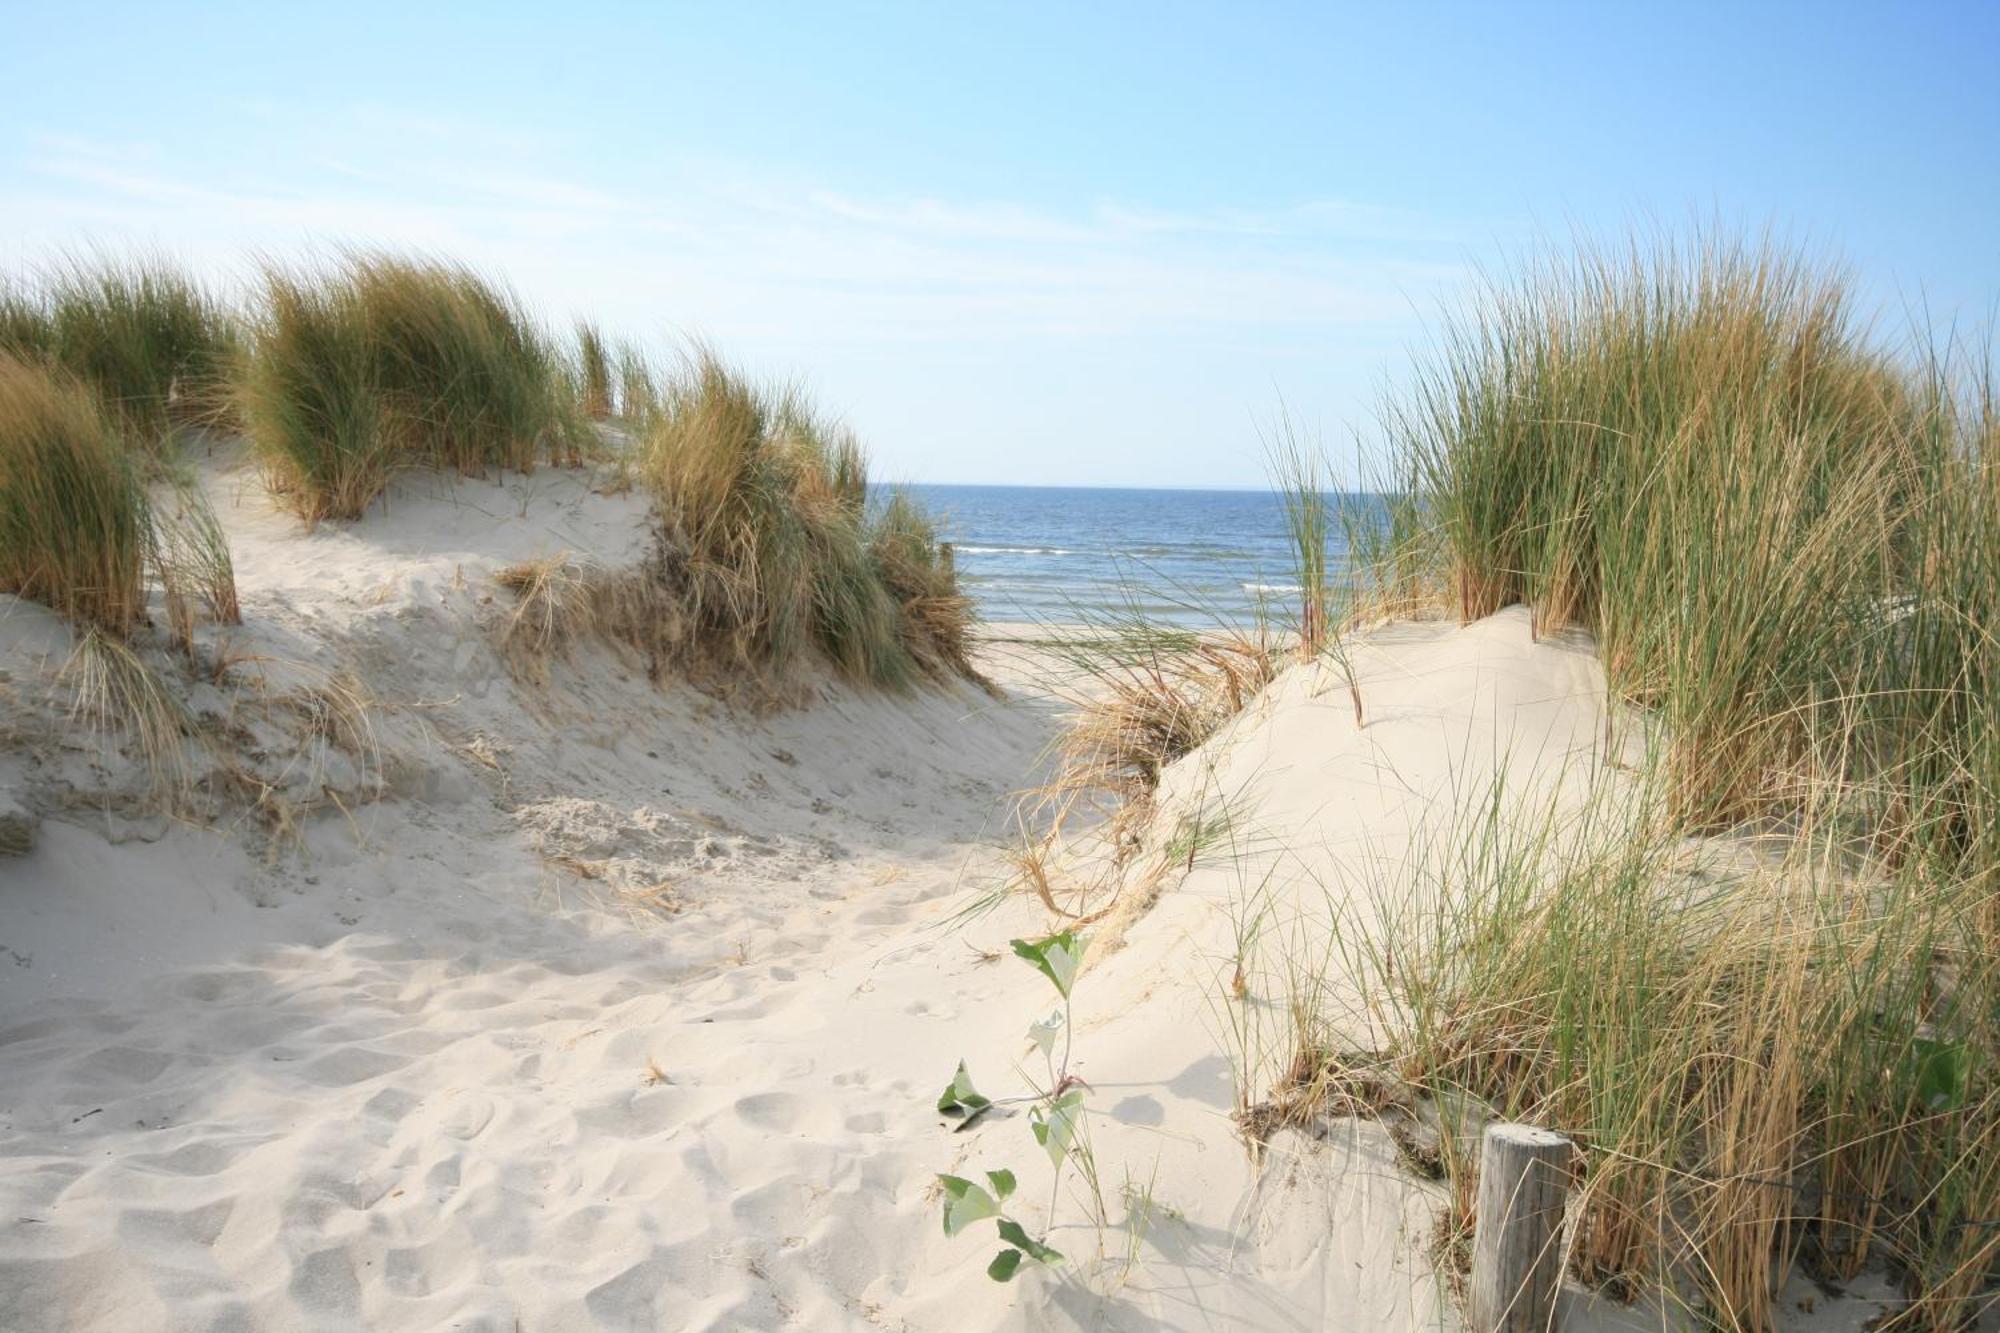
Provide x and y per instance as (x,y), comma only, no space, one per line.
(1767,1061)
(152,341)
(79,530)
(1785,536)
(593,372)
(74,526)
(379,362)
(768,540)
(1768,518)
(344,374)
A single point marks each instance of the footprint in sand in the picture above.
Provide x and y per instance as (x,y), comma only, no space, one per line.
(32,1031)
(200,1157)
(174,1227)
(632,1116)
(324,1280)
(215,984)
(443,1176)
(122,1065)
(349,1065)
(467,1117)
(769,1110)
(391,1104)
(629,1299)
(770,1209)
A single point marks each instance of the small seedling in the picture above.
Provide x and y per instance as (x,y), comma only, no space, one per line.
(966,1202)
(1055,1116)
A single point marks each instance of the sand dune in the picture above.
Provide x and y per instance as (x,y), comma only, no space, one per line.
(617,1007)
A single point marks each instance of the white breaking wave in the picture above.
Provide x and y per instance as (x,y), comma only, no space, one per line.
(1271,587)
(1012,550)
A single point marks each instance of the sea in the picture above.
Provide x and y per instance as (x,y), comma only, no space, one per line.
(1057,554)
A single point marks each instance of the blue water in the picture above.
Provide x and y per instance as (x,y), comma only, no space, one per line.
(1041,553)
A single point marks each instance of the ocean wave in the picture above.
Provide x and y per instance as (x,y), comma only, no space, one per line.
(1192,551)
(1263,588)
(1012,550)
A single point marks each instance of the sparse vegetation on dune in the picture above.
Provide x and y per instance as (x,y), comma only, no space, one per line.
(639,392)
(353,370)
(1781,533)
(593,372)
(1143,696)
(146,336)
(769,544)
(348,372)
(378,362)
(74,525)
(1786,539)
(1146,694)
(1301,475)
(1771,1061)
(768,554)
(1698,452)
(1151,696)
(935,618)
(1757,982)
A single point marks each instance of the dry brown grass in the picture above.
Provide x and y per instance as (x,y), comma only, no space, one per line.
(1141,710)
(558,600)
(1766,1059)
(1143,697)
(114,693)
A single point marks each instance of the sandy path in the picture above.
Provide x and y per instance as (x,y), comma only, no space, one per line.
(418,1072)
(486,1104)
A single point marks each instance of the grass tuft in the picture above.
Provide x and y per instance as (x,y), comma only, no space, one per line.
(768,543)
(381,362)
(1785,537)
(114,691)
(152,342)
(74,524)
(593,372)
(1301,476)
(1698,452)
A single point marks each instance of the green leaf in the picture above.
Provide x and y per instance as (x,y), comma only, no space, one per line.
(1044,1033)
(1055,1126)
(964,1204)
(961,1098)
(1056,958)
(1944,1073)
(1004,1266)
(1003,1182)
(1015,1234)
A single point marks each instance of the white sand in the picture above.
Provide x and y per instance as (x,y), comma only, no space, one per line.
(420,1072)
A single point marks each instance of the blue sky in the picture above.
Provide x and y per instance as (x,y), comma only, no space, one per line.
(1065,244)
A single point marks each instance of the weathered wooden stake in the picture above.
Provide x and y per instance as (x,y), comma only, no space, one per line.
(1516,1254)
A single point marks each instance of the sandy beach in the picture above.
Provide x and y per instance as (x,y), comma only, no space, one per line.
(1087,669)
(618,1007)
(623,1009)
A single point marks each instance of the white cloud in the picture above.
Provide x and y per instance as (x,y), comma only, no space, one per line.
(790,274)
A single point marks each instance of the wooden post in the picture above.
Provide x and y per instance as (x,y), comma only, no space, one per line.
(1516,1255)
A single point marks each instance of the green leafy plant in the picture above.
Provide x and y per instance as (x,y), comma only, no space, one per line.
(960,1098)
(1944,1074)
(1055,1116)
